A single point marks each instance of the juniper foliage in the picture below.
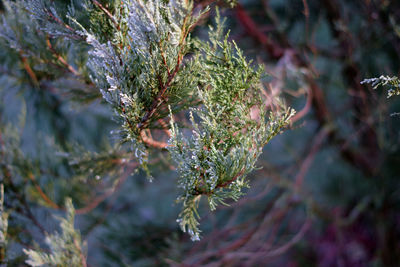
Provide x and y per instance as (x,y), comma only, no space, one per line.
(214,137)
(232,130)
(386,81)
(66,248)
(148,67)
(3,229)
(383,80)
(146,70)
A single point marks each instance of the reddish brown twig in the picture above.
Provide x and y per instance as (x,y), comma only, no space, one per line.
(226,183)
(52,16)
(273,253)
(253,30)
(60,58)
(96,201)
(164,60)
(151,142)
(304,111)
(158,100)
(109,15)
(29,70)
(165,127)
(318,141)
(41,193)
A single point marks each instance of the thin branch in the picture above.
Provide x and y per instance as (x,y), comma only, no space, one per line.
(29,70)
(52,16)
(304,111)
(41,193)
(60,58)
(318,141)
(165,127)
(151,142)
(164,59)
(109,15)
(158,100)
(276,252)
(253,30)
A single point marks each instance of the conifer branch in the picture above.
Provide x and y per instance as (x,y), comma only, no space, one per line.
(158,100)
(141,65)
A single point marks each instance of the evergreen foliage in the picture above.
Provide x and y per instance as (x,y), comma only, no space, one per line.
(393,82)
(182,103)
(66,248)
(232,131)
(147,67)
(3,229)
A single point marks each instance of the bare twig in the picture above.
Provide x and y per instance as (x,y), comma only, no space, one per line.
(318,141)
(109,15)
(29,70)
(60,58)
(252,29)
(273,253)
(151,142)
(96,201)
(41,193)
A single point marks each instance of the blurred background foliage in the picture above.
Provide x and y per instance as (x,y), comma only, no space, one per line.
(327,191)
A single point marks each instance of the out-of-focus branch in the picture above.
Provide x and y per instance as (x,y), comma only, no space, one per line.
(108,14)
(252,29)
(60,58)
(148,140)
(276,252)
(41,193)
(97,200)
(304,111)
(29,70)
(318,102)
(306,164)
(352,73)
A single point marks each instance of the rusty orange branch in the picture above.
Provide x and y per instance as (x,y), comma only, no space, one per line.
(28,69)
(42,193)
(60,58)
